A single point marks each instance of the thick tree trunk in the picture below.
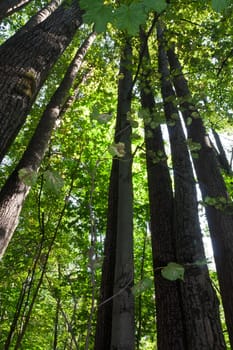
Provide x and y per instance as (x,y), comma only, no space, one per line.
(123,301)
(200,304)
(8,7)
(221,154)
(170,331)
(212,185)
(15,190)
(25,61)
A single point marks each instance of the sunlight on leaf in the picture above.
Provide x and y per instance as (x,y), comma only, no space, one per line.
(173,272)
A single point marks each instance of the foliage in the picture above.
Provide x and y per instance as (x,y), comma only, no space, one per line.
(60,236)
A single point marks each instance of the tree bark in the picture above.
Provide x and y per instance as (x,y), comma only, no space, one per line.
(170,328)
(111,331)
(123,300)
(8,7)
(199,300)
(41,15)
(221,154)
(25,61)
(104,314)
(14,191)
(212,185)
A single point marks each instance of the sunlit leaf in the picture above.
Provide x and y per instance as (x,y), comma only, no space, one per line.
(173,271)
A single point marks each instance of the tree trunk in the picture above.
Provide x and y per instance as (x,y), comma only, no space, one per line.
(123,300)
(25,61)
(41,15)
(212,185)
(14,191)
(200,304)
(221,154)
(8,7)
(170,332)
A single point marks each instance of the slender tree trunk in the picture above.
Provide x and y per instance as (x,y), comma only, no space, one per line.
(25,61)
(8,7)
(212,185)
(170,332)
(14,191)
(123,300)
(41,15)
(104,315)
(200,304)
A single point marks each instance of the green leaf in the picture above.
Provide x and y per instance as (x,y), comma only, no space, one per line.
(220,5)
(27,176)
(142,286)
(98,13)
(117,149)
(173,271)
(53,181)
(129,18)
(156,5)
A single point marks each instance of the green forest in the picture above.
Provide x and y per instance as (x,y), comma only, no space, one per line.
(116,185)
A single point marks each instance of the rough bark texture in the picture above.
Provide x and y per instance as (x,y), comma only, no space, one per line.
(25,61)
(15,190)
(170,331)
(200,304)
(212,185)
(123,301)
(8,7)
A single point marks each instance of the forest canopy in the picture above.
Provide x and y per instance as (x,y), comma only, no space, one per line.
(116,155)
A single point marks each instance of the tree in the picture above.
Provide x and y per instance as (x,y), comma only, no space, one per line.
(115,326)
(220,222)
(170,328)
(189,246)
(23,74)
(10,6)
(50,294)
(17,186)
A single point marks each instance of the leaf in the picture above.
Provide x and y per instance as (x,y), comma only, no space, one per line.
(117,149)
(142,286)
(156,5)
(220,5)
(129,18)
(53,181)
(27,176)
(173,271)
(98,13)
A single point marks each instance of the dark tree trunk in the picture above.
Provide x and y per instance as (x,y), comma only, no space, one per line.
(115,318)
(170,331)
(15,190)
(123,327)
(25,61)
(200,304)
(221,154)
(212,185)
(8,7)
(104,315)
(41,15)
